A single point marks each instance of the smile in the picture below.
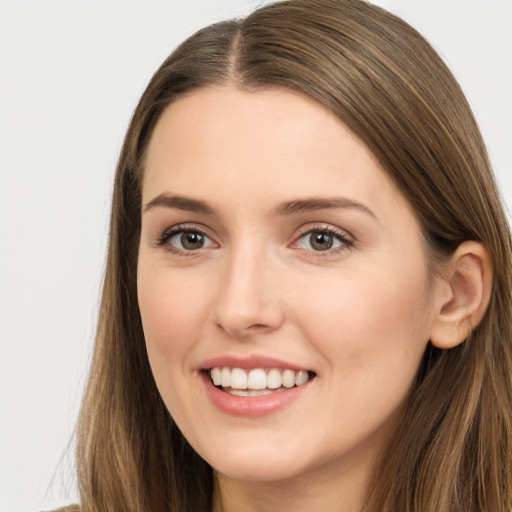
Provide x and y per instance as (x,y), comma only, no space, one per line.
(257,381)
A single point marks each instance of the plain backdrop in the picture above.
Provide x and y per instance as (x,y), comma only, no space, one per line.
(71,73)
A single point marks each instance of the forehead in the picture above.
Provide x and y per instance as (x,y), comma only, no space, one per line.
(216,119)
(222,143)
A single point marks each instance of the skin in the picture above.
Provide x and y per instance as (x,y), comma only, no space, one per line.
(359,315)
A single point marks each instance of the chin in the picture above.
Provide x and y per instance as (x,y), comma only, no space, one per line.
(256,471)
(257,463)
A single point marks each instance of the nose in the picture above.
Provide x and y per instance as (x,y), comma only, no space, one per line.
(247,299)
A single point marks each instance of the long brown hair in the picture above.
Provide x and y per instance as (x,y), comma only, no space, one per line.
(452,449)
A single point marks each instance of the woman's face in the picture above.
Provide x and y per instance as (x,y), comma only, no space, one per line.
(274,250)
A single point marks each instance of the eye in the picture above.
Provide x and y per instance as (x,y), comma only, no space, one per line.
(180,239)
(323,240)
(189,240)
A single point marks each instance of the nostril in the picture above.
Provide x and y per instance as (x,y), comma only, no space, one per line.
(238,328)
(245,306)
(259,327)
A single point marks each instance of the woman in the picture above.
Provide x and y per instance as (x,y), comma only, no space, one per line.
(307,296)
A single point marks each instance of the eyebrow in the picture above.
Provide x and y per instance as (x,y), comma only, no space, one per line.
(284,209)
(320,203)
(179,202)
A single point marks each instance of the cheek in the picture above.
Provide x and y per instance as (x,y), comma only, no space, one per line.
(172,312)
(370,325)
(171,308)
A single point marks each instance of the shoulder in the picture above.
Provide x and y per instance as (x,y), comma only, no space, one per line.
(69,508)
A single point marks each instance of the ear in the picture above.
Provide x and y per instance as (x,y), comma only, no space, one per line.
(462,295)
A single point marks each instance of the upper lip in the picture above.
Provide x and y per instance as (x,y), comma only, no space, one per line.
(249,362)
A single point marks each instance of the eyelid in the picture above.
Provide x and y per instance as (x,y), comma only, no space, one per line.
(346,239)
(170,232)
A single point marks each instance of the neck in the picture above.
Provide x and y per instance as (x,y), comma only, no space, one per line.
(345,493)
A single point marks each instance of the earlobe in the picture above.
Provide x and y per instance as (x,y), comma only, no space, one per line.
(463,295)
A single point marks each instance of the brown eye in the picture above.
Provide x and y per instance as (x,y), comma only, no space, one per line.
(320,241)
(323,240)
(188,241)
(191,241)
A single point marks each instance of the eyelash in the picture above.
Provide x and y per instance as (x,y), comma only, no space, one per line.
(169,233)
(345,241)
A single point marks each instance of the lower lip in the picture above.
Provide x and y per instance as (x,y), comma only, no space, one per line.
(252,406)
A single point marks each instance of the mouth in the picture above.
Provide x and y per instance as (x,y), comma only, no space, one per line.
(257,381)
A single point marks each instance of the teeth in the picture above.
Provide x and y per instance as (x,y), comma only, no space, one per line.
(216,375)
(274,379)
(301,378)
(258,381)
(249,392)
(288,378)
(238,379)
(225,378)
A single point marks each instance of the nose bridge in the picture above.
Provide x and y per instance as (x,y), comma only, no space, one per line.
(246,301)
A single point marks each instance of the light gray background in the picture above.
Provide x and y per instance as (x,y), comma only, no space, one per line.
(71,73)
